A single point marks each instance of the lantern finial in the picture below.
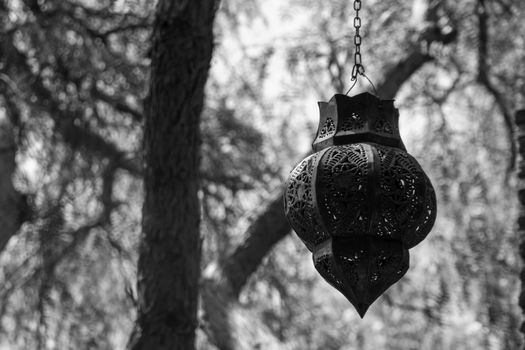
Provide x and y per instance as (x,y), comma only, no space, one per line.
(362,308)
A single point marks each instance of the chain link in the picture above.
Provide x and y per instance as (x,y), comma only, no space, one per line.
(358,65)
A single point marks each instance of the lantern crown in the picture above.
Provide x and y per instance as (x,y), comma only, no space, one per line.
(361,118)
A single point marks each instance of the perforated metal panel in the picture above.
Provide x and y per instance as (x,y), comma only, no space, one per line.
(361,201)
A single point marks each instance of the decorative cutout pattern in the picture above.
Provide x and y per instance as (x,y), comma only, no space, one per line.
(328,128)
(352,122)
(326,268)
(406,196)
(384,126)
(299,204)
(341,190)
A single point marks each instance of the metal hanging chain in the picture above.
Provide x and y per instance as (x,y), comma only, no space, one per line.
(358,65)
(358,68)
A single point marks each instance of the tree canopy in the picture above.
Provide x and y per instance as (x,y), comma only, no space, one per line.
(74,83)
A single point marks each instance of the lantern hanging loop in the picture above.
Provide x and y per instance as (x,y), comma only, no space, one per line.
(358,68)
(368,79)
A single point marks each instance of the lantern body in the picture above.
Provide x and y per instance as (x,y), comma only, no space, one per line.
(360,201)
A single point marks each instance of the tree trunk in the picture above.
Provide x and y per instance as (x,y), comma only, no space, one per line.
(168,268)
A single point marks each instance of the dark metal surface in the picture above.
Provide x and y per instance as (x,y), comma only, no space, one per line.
(361,201)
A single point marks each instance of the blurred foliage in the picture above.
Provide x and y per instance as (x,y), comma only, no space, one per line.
(73,76)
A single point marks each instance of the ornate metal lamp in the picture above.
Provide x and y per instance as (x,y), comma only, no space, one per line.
(360,201)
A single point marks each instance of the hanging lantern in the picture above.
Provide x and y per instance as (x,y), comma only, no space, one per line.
(360,202)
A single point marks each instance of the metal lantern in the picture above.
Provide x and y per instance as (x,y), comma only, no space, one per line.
(360,202)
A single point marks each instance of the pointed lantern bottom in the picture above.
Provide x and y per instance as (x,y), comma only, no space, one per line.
(361,268)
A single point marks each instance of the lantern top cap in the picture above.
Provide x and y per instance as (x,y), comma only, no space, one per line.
(360,118)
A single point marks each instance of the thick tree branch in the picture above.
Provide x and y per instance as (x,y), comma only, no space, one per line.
(263,234)
(14,209)
(398,74)
(507,119)
(80,138)
(415,59)
(484,79)
(118,104)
